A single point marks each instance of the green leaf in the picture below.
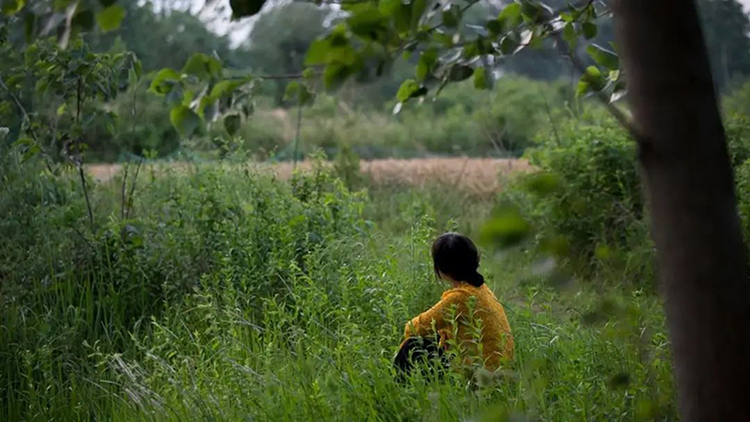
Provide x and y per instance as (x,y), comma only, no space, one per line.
(335,74)
(164,81)
(317,52)
(417,10)
(422,71)
(582,88)
(337,49)
(535,11)
(308,74)
(427,60)
(495,26)
(225,88)
(505,229)
(471,50)
(508,45)
(592,79)
(366,21)
(451,16)
(184,120)
(202,66)
(11,7)
(510,16)
(569,35)
(389,7)
(442,38)
(244,8)
(407,89)
(208,108)
(138,68)
(460,73)
(110,18)
(304,96)
(29,146)
(232,123)
(604,57)
(292,88)
(589,30)
(480,78)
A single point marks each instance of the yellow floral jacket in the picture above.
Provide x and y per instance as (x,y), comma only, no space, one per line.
(478,326)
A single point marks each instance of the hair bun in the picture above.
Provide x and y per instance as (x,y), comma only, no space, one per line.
(475,279)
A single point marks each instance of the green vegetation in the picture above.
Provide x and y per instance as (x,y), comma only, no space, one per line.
(196,285)
(228,295)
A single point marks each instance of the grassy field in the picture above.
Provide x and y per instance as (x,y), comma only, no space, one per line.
(227,294)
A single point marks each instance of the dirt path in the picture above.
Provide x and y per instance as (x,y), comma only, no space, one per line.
(479,175)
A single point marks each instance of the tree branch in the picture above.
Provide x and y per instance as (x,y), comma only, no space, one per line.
(27,118)
(616,112)
(79,163)
(132,189)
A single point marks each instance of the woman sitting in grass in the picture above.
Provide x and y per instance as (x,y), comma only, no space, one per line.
(468,323)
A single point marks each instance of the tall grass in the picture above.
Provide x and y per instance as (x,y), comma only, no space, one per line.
(232,296)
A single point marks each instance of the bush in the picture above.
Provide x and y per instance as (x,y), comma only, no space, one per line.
(588,192)
(462,120)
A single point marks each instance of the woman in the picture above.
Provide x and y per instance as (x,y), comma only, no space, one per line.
(468,323)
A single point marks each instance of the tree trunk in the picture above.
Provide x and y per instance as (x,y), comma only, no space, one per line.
(700,254)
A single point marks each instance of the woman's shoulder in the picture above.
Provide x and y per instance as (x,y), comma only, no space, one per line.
(464,290)
(455,292)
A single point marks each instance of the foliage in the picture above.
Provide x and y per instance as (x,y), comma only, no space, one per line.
(54,95)
(346,167)
(280,38)
(738,102)
(725,28)
(164,39)
(230,295)
(586,203)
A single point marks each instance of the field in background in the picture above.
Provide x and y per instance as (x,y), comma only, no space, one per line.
(476,175)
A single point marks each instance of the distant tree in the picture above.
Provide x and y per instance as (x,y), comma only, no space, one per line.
(280,38)
(726,27)
(165,38)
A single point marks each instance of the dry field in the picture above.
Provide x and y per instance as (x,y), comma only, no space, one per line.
(478,175)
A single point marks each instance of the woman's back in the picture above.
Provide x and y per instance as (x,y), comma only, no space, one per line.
(471,322)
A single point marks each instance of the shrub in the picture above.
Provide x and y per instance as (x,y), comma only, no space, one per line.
(588,191)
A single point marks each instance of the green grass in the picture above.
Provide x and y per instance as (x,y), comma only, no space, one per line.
(231,296)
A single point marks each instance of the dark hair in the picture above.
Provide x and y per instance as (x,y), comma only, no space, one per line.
(457,256)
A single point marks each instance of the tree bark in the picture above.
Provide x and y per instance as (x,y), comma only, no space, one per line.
(689,185)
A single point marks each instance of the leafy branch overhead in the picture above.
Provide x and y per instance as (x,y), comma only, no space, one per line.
(375,33)
(372,34)
(368,38)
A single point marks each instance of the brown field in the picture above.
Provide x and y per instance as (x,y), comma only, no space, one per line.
(478,175)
